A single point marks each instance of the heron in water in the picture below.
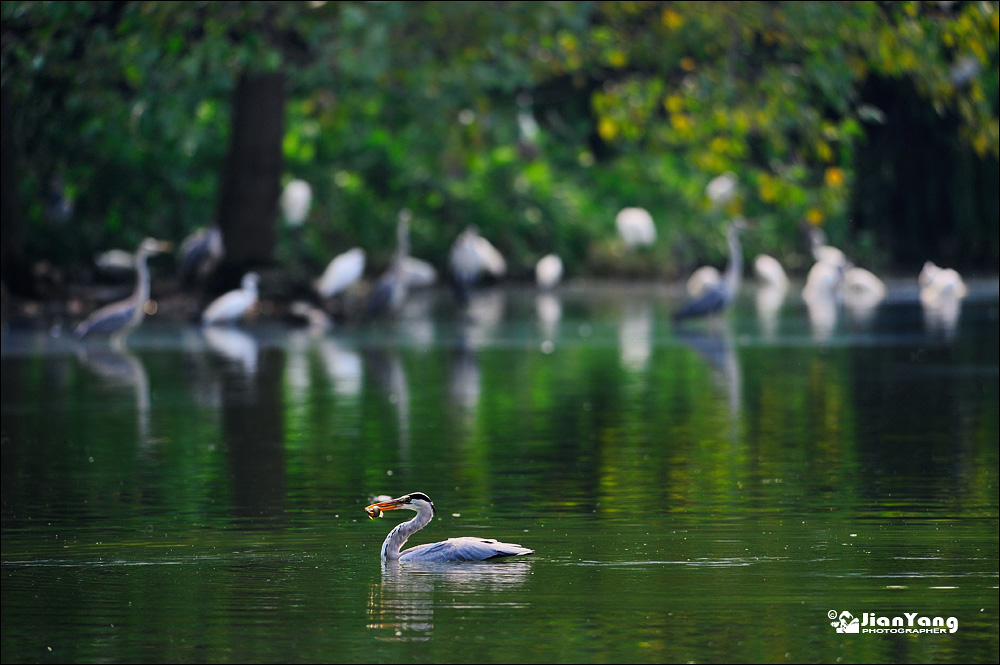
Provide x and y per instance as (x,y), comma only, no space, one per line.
(231,306)
(718,297)
(471,256)
(122,317)
(453,549)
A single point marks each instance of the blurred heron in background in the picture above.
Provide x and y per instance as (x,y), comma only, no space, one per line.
(199,254)
(548,271)
(636,228)
(344,270)
(472,255)
(232,306)
(719,297)
(120,318)
(940,284)
(296,198)
(861,288)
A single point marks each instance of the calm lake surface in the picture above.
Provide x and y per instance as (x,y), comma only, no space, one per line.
(707,492)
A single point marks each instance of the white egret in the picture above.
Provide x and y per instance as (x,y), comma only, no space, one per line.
(938,285)
(548,271)
(343,270)
(231,306)
(472,255)
(769,270)
(636,228)
(296,198)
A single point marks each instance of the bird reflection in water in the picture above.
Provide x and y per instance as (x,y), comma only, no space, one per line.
(401,607)
(548,308)
(122,369)
(715,345)
(635,334)
(385,368)
(237,347)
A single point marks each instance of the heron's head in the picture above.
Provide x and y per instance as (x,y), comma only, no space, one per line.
(417,501)
(250,281)
(154,246)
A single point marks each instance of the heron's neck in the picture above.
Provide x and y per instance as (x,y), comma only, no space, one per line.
(734,271)
(401,532)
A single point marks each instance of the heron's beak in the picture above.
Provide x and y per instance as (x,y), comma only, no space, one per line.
(376,509)
(164,246)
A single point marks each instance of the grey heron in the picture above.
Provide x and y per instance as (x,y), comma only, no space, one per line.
(718,297)
(231,306)
(453,549)
(199,254)
(122,317)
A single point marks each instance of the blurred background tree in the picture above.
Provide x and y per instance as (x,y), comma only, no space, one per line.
(537,121)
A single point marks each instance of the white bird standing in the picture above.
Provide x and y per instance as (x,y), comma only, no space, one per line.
(548,271)
(471,256)
(861,288)
(296,199)
(231,306)
(453,549)
(343,270)
(636,228)
(769,270)
(938,285)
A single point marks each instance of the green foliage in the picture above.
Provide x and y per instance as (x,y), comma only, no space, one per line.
(421,105)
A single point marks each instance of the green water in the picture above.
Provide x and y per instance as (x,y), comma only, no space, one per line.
(706,493)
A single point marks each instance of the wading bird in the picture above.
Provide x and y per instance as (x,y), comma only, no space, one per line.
(636,228)
(344,270)
(453,549)
(940,284)
(718,297)
(471,256)
(231,306)
(122,317)
(548,271)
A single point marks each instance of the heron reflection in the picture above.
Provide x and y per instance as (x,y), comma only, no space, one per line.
(401,606)
(122,369)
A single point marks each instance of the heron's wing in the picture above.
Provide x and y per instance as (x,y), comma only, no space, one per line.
(710,302)
(107,319)
(463,549)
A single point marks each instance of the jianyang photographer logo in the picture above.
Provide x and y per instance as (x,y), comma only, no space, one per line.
(908,622)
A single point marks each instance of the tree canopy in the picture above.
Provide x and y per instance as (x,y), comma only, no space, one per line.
(537,121)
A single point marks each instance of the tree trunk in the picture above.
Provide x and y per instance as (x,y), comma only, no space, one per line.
(248,196)
(13,265)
